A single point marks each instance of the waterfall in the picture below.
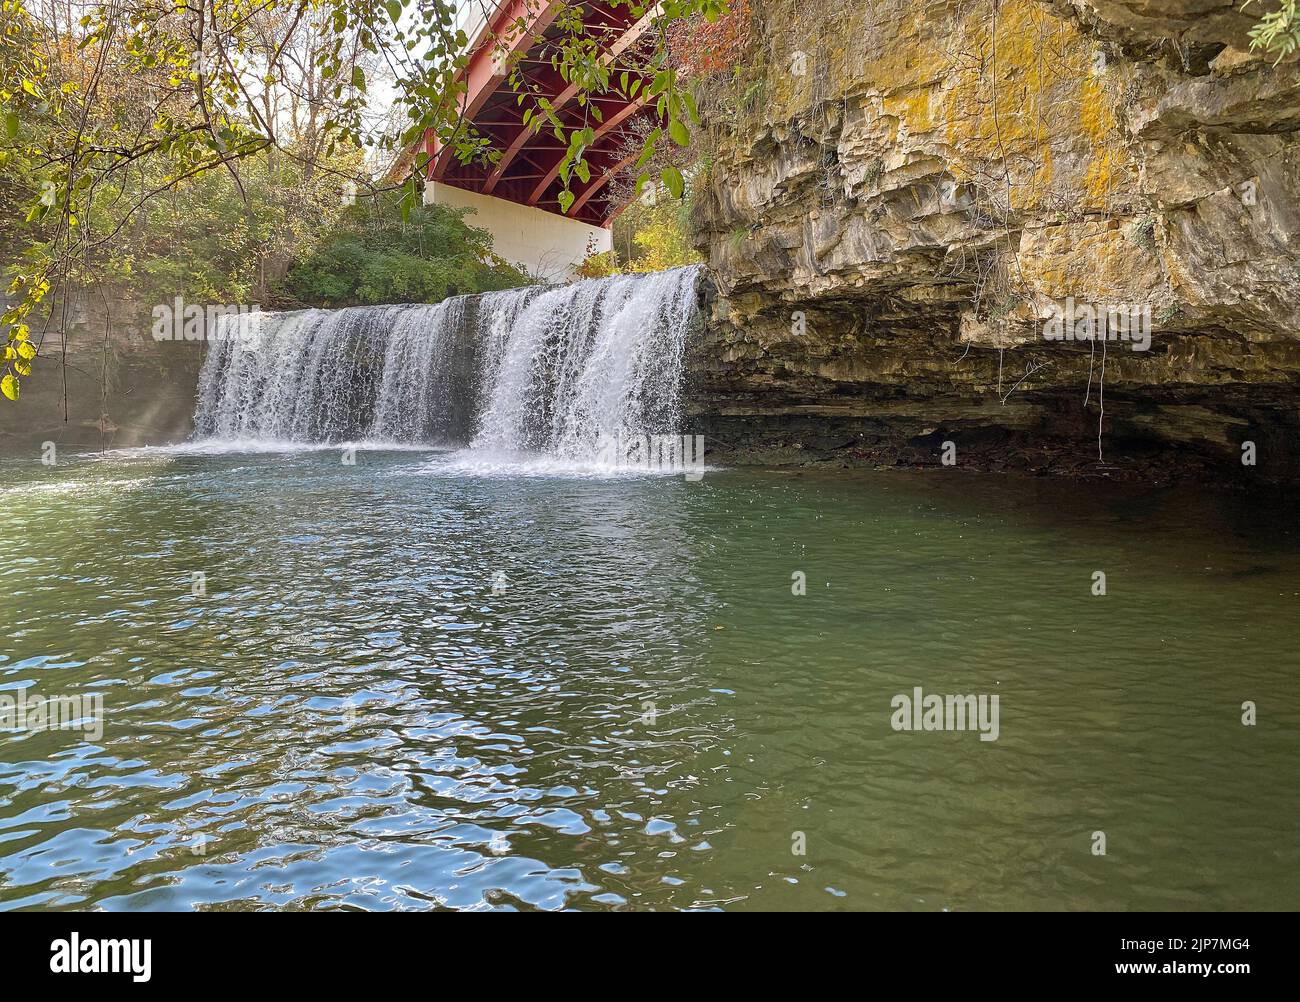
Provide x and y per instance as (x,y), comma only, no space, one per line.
(550,370)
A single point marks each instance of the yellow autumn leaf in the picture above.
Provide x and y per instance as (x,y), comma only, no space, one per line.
(9,387)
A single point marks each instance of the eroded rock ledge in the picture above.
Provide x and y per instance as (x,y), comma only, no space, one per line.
(915,188)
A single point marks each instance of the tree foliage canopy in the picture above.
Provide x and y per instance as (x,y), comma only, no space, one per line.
(372,255)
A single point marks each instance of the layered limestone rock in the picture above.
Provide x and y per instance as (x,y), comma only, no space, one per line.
(915,196)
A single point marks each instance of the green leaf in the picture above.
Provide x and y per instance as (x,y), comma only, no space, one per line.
(566,200)
(677,129)
(672,179)
(359,79)
(11,124)
(9,387)
(394,9)
(691,107)
(583,170)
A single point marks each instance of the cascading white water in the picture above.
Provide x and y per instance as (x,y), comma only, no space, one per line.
(553,370)
(588,361)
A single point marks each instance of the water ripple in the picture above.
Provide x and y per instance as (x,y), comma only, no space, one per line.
(398,690)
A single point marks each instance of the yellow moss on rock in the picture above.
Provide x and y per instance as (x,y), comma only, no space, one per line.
(1090,261)
(1008,84)
(1097,121)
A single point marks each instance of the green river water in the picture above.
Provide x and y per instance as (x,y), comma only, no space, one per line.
(412,683)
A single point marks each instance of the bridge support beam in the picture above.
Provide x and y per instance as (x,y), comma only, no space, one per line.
(549,247)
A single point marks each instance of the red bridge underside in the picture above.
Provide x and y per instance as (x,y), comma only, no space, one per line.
(528,172)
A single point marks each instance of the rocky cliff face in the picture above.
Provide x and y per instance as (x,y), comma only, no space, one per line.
(920,194)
